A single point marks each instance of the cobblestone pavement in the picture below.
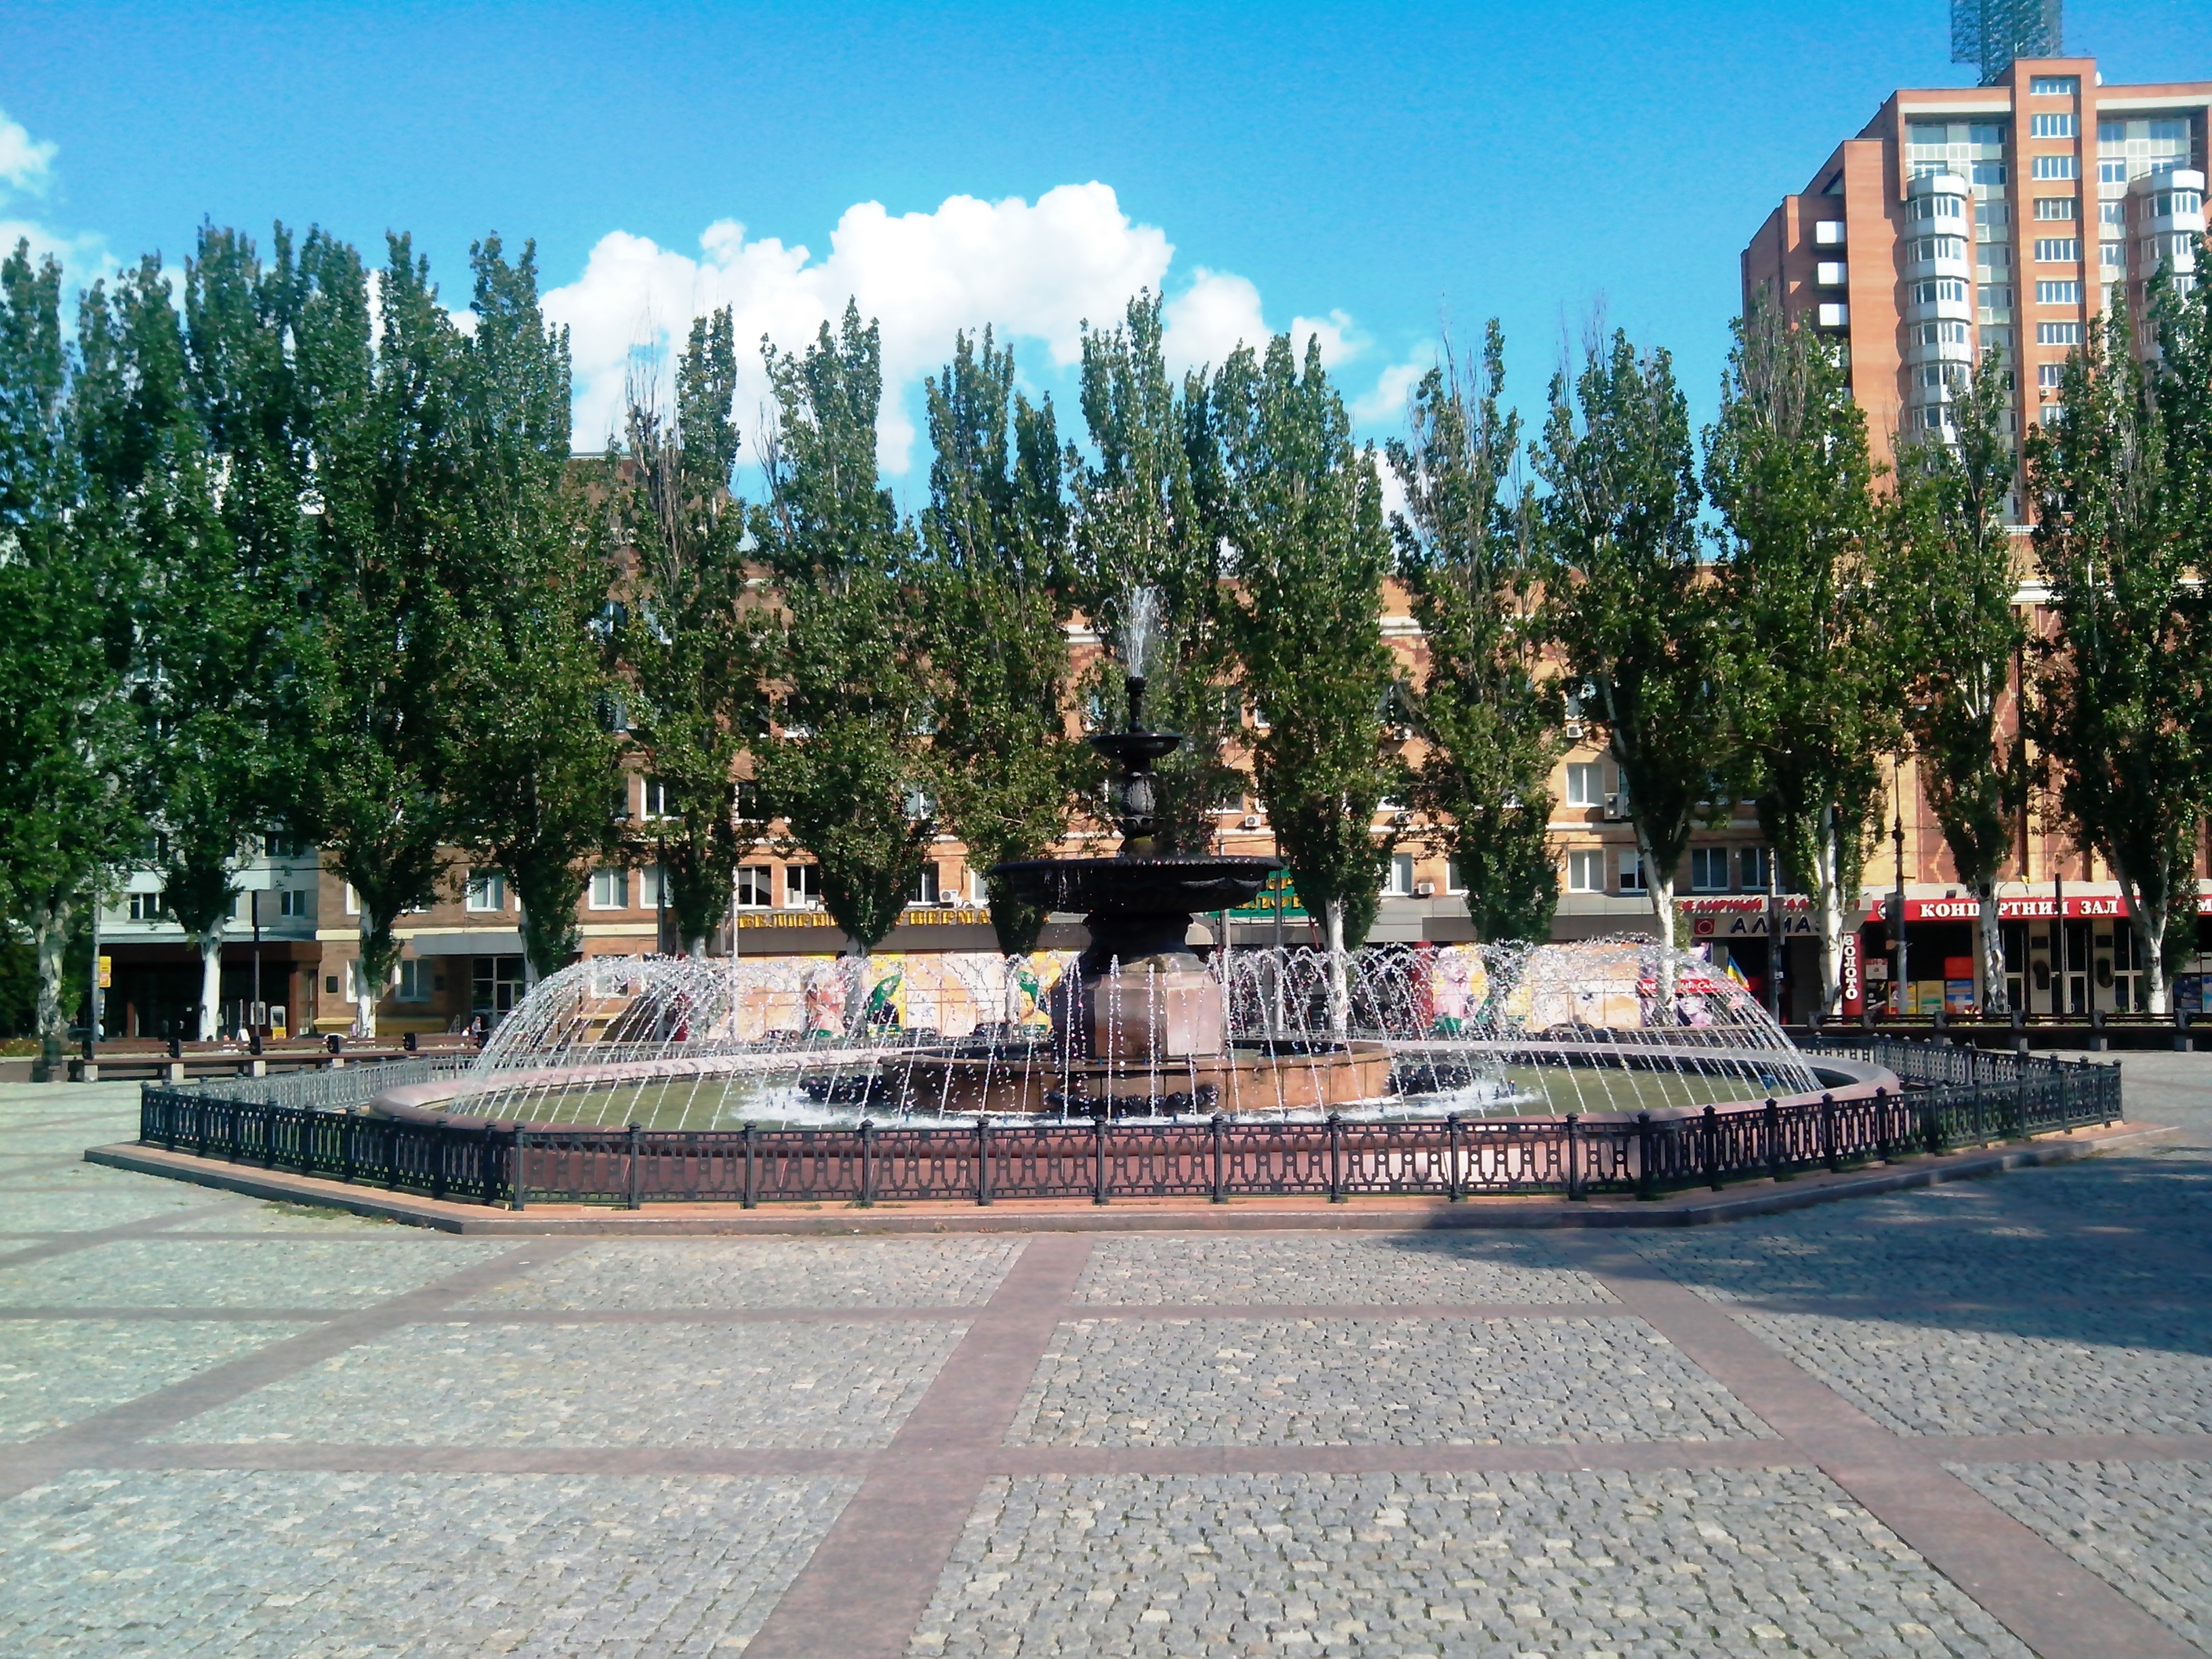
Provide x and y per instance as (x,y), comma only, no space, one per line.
(1970,1419)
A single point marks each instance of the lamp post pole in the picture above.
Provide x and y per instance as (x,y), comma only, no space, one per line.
(1897,901)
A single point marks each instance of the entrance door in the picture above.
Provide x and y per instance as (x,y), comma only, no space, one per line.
(2077,964)
(497,987)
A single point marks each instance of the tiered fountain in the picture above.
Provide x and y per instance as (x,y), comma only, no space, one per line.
(1141,1025)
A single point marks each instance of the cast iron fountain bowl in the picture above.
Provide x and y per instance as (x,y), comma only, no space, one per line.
(1153,886)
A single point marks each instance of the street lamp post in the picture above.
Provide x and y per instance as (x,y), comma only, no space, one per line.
(1897,902)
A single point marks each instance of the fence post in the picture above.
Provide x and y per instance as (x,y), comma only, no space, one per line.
(751,1199)
(1574,1158)
(487,1163)
(1220,1130)
(867,1163)
(1647,1178)
(1713,1138)
(982,1159)
(440,1131)
(1099,1156)
(1828,1152)
(1931,1129)
(1453,1191)
(1773,1127)
(518,1178)
(636,1175)
(2109,1086)
(1336,1159)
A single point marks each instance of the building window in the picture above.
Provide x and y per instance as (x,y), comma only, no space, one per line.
(2065,334)
(1996,302)
(1990,173)
(2111,172)
(609,889)
(1585,784)
(754,883)
(2049,375)
(146,907)
(802,886)
(1454,883)
(2058,294)
(2055,167)
(1586,872)
(915,803)
(1632,872)
(1709,869)
(2112,256)
(283,846)
(2050,126)
(1757,866)
(487,891)
(1399,882)
(924,890)
(294,901)
(1945,287)
(652,887)
(2112,213)
(414,980)
(2054,207)
(2059,250)
(352,901)
(1943,333)
(2052,86)
(2051,414)
(658,800)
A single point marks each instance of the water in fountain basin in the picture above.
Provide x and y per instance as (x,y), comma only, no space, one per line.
(680,1042)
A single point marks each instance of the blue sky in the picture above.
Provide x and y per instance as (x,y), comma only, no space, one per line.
(1380,173)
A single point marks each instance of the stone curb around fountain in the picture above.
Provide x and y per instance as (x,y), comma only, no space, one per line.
(1367,1213)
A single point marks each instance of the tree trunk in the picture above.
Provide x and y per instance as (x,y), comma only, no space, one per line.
(211,982)
(2150,932)
(856,988)
(1339,986)
(1828,893)
(52,943)
(365,988)
(1660,884)
(1994,1000)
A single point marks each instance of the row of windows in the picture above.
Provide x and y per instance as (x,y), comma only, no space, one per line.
(2054,207)
(1711,870)
(2067,334)
(2059,250)
(1943,287)
(2055,167)
(2058,294)
(282,903)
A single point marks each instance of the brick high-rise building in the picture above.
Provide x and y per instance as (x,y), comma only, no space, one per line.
(1964,218)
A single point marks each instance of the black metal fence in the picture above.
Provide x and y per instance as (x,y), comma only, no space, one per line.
(1952,1098)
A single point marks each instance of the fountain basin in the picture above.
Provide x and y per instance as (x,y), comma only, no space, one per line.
(1246,1077)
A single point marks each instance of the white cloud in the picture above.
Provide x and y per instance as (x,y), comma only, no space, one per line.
(1385,405)
(1035,271)
(26,164)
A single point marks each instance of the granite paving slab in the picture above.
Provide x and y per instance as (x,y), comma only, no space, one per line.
(56,1371)
(765,1273)
(1309,1269)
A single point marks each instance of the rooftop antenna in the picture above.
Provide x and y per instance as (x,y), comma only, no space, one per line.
(1990,34)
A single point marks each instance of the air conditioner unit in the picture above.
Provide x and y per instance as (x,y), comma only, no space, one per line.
(1249,821)
(1572,729)
(1425,889)
(1614,812)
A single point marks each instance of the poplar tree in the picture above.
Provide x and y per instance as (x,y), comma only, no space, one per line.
(378,695)
(994,549)
(1788,469)
(540,793)
(1305,514)
(689,645)
(65,818)
(192,456)
(1945,592)
(849,769)
(1630,603)
(1148,512)
(2120,688)
(1486,711)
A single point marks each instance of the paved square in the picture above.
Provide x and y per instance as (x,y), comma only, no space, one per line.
(600,1385)
(1964,1420)
(1317,1270)
(332,1567)
(1354,1382)
(1672,1561)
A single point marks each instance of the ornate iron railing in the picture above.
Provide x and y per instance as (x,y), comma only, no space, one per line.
(1952,1098)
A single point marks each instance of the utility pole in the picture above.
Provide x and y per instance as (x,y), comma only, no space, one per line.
(254,1012)
(1896,900)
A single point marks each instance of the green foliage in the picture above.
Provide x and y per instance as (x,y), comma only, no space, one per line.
(2120,690)
(1945,588)
(850,660)
(691,646)
(1787,468)
(1488,716)
(376,701)
(993,544)
(1148,512)
(64,733)
(194,462)
(1304,518)
(537,788)
(1628,600)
